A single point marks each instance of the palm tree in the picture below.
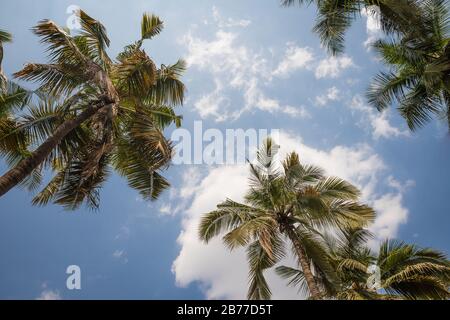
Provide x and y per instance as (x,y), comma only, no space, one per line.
(335,17)
(419,75)
(405,271)
(287,204)
(96,112)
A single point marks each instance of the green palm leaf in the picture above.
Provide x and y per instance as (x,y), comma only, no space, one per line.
(151,26)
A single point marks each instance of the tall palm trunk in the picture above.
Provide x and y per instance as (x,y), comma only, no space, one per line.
(26,166)
(304,264)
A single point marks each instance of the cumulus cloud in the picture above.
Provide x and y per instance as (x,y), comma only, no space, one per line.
(229,22)
(48,294)
(400,187)
(120,255)
(191,179)
(233,67)
(390,216)
(238,71)
(223,274)
(166,209)
(379,121)
(295,58)
(212,103)
(236,68)
(332,67)
(332,94)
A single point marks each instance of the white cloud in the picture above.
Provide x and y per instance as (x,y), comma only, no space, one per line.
(390,215)
(295,58)
(191,180)
(166,209)
(332,94)
(230,22)
(400,187)
(379,121)
(296,112)
(211,264)
(332,67)
(242,75)
(373,24)
(48,294)
(235,68)
(212,104)
(387,223)
(223,274)
(120,255)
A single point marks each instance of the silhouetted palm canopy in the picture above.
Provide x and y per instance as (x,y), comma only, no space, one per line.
(286,203)
(130,101)
(406,271)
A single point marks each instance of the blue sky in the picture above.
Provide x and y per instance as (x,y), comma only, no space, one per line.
(252,64)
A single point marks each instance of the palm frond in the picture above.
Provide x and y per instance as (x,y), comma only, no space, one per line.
(5,36)
(56,79)
(48,193)
(151,26)
(164,116)
(61,46)
(350,214)
(169,89)
(259,261)
(334,19)
(317,252)
(418,107)
(97,39)
(141,154)
(14,98)
(337,188)
(229,215)
(76,188)
(136,74)
(295,278)
(250,230)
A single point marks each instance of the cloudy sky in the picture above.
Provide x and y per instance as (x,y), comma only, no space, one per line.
(252,65)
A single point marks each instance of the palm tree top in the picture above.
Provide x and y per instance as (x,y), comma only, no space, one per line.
(137,99)
(286,202)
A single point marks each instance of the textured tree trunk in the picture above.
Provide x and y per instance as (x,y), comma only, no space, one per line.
(304,264)
(26,166)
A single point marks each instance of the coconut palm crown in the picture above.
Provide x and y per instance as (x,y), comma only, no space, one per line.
(286,204)
(93,114)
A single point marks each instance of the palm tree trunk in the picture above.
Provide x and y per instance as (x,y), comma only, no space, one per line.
(304,264)
(26,166)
